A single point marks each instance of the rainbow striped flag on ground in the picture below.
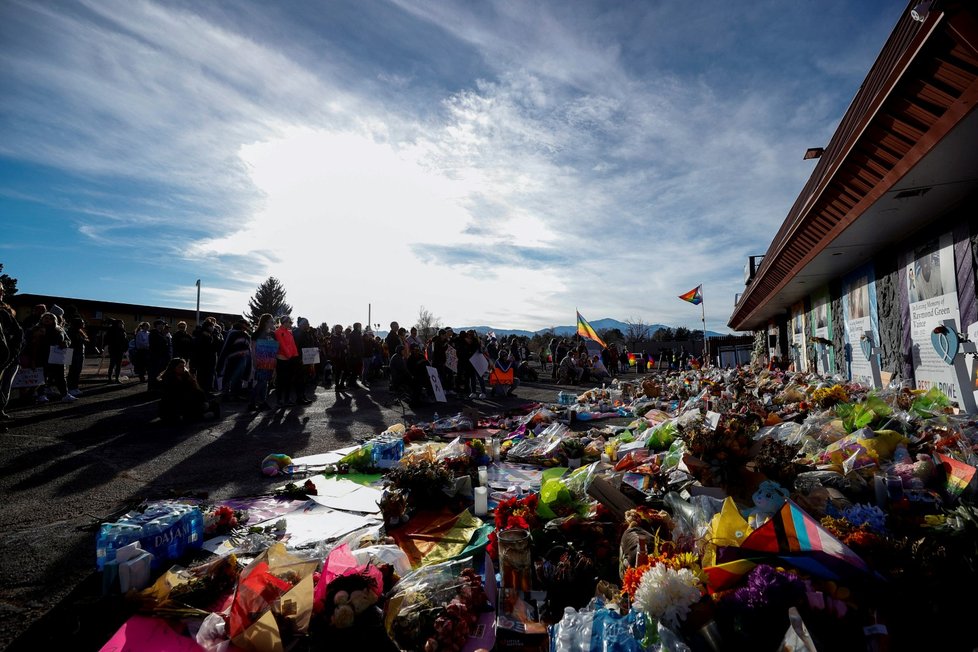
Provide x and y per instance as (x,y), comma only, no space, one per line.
(584,329)
(694,296)
(959,474)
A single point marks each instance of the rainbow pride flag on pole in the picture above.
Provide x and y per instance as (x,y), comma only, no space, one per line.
(694,296)
(584,329)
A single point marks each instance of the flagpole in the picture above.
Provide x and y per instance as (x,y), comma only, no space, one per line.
(706,352)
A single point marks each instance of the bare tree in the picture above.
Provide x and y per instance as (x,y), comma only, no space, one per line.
(636,331)
(427,324)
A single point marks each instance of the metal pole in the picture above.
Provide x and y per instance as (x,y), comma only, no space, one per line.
(706,352)
(198,304)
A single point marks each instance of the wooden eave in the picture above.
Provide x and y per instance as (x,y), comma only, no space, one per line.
(924,82)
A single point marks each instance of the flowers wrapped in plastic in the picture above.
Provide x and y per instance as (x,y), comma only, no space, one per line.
(436,607)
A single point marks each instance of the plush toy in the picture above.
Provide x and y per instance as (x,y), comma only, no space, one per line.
(275,463)
(768,499)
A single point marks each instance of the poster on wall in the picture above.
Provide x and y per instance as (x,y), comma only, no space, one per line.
(859,316)
(933,296)
(822,330)
(799,340)
(772,341)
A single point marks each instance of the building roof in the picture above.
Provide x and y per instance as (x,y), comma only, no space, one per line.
(903,154)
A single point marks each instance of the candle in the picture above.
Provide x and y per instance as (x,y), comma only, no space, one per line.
(483,476)
(481,501)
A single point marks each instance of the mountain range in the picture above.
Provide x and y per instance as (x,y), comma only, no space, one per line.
(566,331)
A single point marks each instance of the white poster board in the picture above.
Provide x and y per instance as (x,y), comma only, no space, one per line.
(451,359)
(822,328)
(798,352)
(933,297)
(57,355)
(310,355)
(436,387)
(480,362)
(858,317)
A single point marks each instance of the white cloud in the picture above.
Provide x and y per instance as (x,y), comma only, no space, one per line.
(585,165)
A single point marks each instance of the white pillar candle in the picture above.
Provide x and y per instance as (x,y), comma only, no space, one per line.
(481,501)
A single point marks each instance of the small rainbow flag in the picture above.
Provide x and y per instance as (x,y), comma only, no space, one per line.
(694,296)
(959,474)
(584,329)
(632,359)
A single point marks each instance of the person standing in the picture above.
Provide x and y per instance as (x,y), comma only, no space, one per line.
(337,356)
(287,360)
(392,341)
(234,358)
(263,338)
(52,336)
(305,338)
(159,354)
(117,343)
(204,360)
(183,342)
(354,356)
(11,344)
(79,340)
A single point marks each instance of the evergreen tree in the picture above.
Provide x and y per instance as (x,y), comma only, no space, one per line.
(270,298)
(9,284)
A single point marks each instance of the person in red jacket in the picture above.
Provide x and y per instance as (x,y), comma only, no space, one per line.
(287,362)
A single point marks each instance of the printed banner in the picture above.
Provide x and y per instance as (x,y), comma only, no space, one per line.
(799,340)
(933,296)
(859,315)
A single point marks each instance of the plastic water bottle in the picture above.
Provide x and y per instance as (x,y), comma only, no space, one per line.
(436,417)
(111,537)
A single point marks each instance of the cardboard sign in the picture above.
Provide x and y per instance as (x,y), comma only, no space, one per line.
(310,355)
(436,387)
(265,351)
(28,378)
(451,359)
(57,355)
(480,362)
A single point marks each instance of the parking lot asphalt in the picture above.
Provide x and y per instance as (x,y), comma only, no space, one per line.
(67,467)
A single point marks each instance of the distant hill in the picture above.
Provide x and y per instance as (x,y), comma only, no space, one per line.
(567,331)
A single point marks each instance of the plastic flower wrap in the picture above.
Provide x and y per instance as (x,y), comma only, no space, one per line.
(667,594)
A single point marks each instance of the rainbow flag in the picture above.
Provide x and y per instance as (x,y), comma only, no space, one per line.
(632,359)
(959,474)
(694,296)
(795,538)
(584,329)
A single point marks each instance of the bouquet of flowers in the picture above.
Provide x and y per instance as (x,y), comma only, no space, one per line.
(223,520)
(436,607)
(514,513)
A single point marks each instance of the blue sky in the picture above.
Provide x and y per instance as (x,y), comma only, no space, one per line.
(499,163)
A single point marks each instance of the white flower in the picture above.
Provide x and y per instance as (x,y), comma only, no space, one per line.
(667,594)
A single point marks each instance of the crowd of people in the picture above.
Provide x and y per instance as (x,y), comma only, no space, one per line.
(277,363)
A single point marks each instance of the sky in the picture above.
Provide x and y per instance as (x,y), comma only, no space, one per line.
(499,163)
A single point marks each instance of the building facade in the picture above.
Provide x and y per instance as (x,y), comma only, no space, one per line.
(878,253)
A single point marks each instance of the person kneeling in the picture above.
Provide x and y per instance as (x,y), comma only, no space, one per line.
(502,377)
(181,398)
